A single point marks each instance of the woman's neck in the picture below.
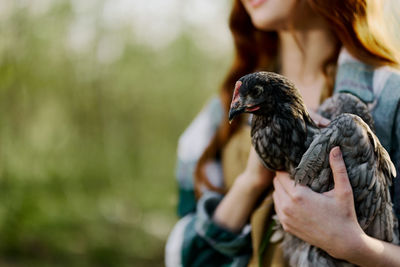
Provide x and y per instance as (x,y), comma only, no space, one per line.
(302,55)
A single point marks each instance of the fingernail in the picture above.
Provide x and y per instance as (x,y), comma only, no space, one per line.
(324,121)
(336,152)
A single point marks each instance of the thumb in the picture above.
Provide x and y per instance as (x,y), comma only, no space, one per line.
(340,177)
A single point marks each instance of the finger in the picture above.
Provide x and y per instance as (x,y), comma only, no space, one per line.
(286,183)
(297,193)
(253,157)
(254,162)
(280,191)
(278,204)
(340,177)
(319,120)
(329,193)
(281,199)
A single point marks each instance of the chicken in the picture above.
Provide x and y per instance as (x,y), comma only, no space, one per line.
(286,139)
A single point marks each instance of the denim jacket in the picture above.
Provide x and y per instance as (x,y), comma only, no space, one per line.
(196,240)
(380,89)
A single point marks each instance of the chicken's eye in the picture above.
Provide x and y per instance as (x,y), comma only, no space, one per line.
(258,90)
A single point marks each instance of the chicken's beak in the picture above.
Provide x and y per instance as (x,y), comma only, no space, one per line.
(235,110)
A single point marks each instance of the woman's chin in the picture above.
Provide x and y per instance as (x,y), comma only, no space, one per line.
(267,24)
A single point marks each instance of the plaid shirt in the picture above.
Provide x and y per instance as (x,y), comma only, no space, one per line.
(196,240)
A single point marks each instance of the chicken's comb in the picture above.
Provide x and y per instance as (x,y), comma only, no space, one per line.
(236,91)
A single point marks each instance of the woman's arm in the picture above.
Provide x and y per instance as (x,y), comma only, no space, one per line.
(197,239)
(329,220)
(234,210)
(215,234)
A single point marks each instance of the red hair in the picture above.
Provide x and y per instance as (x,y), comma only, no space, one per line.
(350,20)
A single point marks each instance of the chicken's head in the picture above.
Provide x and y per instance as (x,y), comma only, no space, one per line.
(264,93)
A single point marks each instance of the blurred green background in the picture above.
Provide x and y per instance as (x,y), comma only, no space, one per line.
(93,97)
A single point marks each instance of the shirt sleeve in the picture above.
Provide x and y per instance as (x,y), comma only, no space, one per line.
(197,240)
(191,145)
(388,118)
(395,156)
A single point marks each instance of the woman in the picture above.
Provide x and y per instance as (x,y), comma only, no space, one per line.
(301,40)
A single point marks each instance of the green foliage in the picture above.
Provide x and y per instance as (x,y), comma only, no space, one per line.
(87,149)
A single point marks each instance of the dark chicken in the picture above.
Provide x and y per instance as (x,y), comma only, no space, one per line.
(286,139)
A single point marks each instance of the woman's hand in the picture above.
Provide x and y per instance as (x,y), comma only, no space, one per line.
(325,220)
(256,174)
(318,119)
(328,220)
(235,208)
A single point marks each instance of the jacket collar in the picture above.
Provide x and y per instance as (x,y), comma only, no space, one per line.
(354,77)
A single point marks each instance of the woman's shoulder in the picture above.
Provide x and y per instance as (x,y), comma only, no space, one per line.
(385,107)
(386,89)
(367,82)
(198,134)
(391,77)
(373,85)
(378,87)
(191,146)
